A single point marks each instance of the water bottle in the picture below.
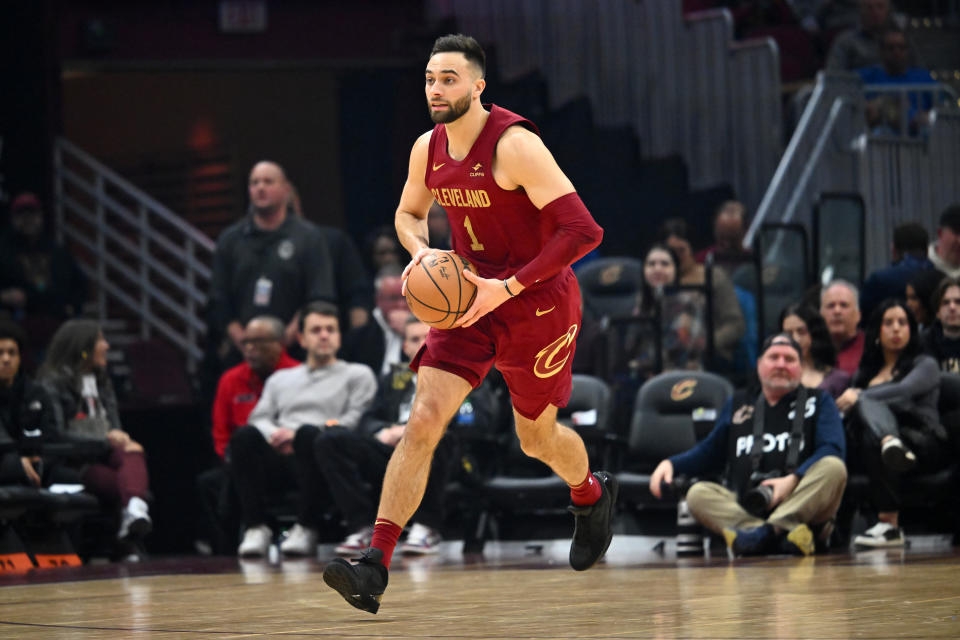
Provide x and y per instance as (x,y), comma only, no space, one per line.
(465,416)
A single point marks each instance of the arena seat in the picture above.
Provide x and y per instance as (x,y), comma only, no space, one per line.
(673,411)
(610,286)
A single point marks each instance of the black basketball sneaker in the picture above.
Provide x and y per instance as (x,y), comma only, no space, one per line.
(593,525)
(361,584)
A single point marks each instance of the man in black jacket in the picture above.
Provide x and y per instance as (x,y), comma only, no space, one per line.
(271,262)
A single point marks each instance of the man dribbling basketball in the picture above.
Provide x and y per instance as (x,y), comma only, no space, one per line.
(517,218)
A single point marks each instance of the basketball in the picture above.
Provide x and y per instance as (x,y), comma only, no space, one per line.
(437,291)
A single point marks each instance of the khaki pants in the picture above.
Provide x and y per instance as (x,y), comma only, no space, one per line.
(815,500)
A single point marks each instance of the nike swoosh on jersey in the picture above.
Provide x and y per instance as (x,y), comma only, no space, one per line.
(437,166)
(545,312)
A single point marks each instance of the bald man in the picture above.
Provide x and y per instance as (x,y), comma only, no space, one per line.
(267,263)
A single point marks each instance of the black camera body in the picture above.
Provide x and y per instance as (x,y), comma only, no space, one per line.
(756,499)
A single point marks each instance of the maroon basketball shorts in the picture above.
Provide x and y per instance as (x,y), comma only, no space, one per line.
(530,338)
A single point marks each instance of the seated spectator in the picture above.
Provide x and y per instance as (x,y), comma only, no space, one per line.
(728,323)
(355,461)
(919,295)
(41,284)
(729,229)
(945,252)
(26,416)
(276,449)
(675,318)
(859,46)
(240,388)
(382,248)
(797,472)
(909,257)
(840,308)
(894,424)
(238,391)
(74,373)
(942,339)
(884,111)
(377,344)
(818,358)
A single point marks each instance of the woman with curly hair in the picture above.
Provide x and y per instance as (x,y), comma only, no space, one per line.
(895,425)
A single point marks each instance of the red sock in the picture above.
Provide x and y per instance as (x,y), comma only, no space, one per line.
(385,536)
(587,492)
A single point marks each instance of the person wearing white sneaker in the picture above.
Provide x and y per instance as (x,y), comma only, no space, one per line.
(355,542)
(881,535)
(894,421)
(275,451)
(74,374)
(256,542)
(135,520)
(421,541)
(300,541)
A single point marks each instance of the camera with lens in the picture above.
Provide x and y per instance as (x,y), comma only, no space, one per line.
(756,500)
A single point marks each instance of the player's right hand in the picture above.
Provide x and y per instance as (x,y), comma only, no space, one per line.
(663,473)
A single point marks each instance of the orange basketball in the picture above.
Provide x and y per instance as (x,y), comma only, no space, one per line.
(437,291)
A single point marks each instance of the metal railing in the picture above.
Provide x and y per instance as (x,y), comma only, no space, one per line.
(901,177)
(799,177)
(145,261)
(905,102)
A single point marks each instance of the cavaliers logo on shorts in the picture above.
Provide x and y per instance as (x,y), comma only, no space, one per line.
(548,361)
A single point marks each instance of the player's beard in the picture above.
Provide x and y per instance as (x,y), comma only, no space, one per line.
(456,110)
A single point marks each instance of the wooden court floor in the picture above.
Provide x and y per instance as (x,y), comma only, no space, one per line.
(515,591)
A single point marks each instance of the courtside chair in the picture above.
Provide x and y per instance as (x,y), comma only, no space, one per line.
(673,411)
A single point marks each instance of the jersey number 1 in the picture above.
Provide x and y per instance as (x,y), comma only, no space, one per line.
(474,243)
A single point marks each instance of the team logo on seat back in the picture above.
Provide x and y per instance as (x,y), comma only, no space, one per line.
(549,361)
(683,389)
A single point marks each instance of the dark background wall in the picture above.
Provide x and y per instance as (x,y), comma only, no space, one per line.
(29,97)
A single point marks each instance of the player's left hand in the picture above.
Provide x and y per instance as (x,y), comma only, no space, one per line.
(490,294)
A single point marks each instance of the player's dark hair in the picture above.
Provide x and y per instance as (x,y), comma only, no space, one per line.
(320,308)
(459,43)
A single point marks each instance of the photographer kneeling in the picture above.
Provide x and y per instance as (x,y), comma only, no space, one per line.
(784,472)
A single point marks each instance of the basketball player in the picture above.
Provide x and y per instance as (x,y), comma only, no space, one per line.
(518,219)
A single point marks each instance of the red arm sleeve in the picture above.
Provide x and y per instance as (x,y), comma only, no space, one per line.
(221,418)
(576,234)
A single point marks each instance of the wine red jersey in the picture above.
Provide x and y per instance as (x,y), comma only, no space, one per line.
(499,231)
